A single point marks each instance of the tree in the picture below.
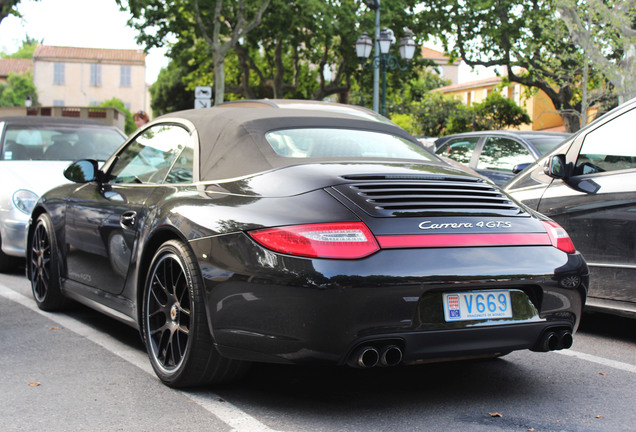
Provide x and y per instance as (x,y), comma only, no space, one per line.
(498,112)
(219,23)
(26,50)
(7,8)
(435,114)
(169,93)
(605,31)
(16,89)
(129,125)
(524,36)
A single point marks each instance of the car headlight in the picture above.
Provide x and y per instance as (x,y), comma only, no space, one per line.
(24,200)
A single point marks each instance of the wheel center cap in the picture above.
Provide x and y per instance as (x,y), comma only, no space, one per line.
(174,312)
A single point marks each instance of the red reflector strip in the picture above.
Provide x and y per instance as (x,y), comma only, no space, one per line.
(463,240)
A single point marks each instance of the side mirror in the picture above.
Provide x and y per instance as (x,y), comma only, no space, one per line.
(555,167)
(82,171)
(520,167)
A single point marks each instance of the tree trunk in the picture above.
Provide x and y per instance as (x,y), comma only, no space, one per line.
(219,79)
(571,121)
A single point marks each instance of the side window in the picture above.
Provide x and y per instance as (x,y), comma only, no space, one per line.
(148,158)
(502,154)
(460,150)
(610,147)
(181,171)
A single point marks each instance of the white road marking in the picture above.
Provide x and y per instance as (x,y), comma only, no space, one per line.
(229,414)
(599,360)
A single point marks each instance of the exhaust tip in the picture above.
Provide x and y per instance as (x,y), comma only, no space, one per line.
(365,357)
(391,355)
(551,341)
(566,339)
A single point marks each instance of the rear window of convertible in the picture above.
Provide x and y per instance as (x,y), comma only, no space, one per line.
(328,143)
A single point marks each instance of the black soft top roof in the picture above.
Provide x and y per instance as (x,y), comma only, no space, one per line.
(232,137)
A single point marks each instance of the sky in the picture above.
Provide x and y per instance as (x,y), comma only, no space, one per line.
(76,23)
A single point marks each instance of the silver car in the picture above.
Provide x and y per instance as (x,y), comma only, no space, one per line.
(34,151)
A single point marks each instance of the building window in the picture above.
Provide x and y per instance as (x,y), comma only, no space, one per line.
(58,73)
(58,102)
(124,76)
(96,75)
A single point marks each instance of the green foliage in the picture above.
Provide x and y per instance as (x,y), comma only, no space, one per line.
(26,50)
(437,115)
(498,112)
(119,104)
(7,7)
(302,49)
(408,122)
(16,89)
(526,37)
(170,93)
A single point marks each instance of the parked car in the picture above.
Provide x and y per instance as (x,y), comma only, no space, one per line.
(293,232)
(498,155)
(588,185)
(34,151)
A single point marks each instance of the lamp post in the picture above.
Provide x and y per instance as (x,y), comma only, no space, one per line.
(385,60)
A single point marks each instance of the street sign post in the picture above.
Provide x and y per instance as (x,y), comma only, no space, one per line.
(203,97)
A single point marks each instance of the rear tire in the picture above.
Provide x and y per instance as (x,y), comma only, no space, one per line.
(174,323)
(44,266)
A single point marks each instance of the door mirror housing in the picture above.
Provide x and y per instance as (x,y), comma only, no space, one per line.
(555,167)
(82,171)
(520,167)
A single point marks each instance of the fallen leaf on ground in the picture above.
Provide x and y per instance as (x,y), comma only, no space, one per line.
(495,414)
(34,384)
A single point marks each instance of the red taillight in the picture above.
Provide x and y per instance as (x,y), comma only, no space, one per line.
(559,237)
(344,240)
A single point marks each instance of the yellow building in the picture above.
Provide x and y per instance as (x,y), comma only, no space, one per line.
(443,66)
(69,76)
(538,106)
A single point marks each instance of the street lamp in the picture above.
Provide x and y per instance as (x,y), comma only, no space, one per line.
(385,60)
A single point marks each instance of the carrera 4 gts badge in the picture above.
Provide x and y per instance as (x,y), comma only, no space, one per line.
(428,225)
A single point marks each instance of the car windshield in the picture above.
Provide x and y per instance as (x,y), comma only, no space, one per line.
(63,143)
(545,144)
(343,143)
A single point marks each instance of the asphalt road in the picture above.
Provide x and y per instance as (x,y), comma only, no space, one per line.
(81,371)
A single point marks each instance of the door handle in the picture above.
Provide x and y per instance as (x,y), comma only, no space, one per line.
(128,219)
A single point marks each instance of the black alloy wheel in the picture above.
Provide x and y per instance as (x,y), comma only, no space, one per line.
(43,262)
(174,323)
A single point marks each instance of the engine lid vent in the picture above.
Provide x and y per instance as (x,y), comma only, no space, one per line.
(443,196)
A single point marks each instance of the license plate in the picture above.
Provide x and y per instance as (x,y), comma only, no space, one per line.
(477,305)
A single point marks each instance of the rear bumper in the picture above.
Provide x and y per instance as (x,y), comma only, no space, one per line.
(268,307)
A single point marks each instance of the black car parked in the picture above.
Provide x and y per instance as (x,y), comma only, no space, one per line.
(588,185)
(498,155)
(292,232)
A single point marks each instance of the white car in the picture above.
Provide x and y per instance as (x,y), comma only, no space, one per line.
(34,151)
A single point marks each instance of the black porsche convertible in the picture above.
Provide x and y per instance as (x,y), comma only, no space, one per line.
(293,232)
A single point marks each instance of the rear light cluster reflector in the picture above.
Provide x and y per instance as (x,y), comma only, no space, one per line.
(559,237)
(348,240)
